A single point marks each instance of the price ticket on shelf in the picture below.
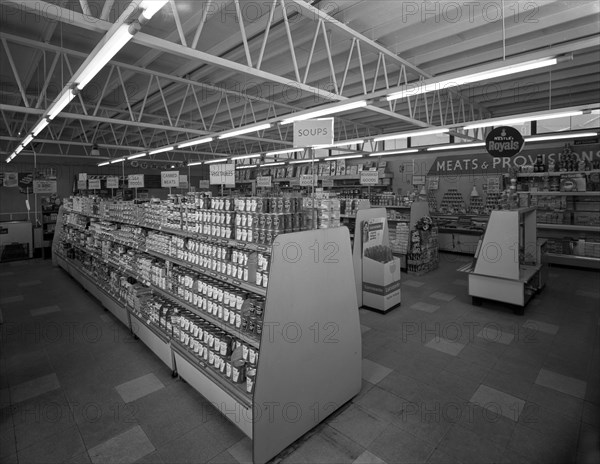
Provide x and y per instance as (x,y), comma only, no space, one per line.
(112,182)
(264,181)
(369,177)
(307,180)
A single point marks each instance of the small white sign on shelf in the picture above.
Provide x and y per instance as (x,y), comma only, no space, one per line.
(112,182)
(222,174)
(169,179)
(264,181)
(94,184)
(135,181)
(369,177)
(307,180)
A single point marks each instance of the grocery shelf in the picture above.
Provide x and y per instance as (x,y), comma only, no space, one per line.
(567,194)
(555,173)
(572,260)
(569,227)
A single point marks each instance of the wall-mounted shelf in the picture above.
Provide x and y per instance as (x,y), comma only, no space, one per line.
(555,173)
(566,194)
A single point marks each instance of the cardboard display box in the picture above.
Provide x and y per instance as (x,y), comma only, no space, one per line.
(381,284)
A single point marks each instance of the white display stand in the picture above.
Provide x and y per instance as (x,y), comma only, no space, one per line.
(365,215)
(508,260)
(310,351)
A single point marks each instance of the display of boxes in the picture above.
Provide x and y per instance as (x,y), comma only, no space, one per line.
(381,284)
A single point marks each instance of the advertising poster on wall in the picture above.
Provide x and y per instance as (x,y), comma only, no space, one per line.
(11,179)
(26,182)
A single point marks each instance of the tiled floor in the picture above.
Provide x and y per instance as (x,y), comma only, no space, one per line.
(443,381)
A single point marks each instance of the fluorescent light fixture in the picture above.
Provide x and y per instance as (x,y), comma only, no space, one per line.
(272,164)
(161,150)
(26,140)
(560,136)
(343,157)
(118,160)
(281,152)
(245,130)
(419,88)
(220,160)
(457,146)
(394,152)
(106,52)
(104,164)
(150,7)
(243,157)
(41,125)
(139,155)
(191,143)
(325,112)
(247,166)
(9,159)
(404,135)
(303,161)
(197,163)
(341,144)
(60,103)
(18,150)
(505,122)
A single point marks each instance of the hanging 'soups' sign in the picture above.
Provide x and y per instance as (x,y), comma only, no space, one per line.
(504,142)
(313,132)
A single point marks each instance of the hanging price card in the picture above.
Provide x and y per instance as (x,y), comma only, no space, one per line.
(135,181)
(94,184)
(169,179)
(112,182)
(307,180)
(369,177)
(264,181)
(327,182)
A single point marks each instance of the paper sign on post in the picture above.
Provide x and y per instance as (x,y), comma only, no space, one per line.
(135,181)
(81,185)
(183,181)
(169,179)
(112,182)
(222,174)
(307,180)
(94,184)
(204,184)
(369,177)
(44,186)
(264,181)
(83,176)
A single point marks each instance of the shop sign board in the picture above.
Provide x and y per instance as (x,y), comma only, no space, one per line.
(504,142)
(369,177)
(313,132)
(81,184)
(94,184)
(204,184)
(169,179)
(44,186)
(433,182)
(418,180)
(183,181)
(222,174)
(264,181)
(135,181)
(112,182)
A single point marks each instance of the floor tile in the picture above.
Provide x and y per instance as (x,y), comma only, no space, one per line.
(591,414)
(127,447)
(487,423)
(587,294)
(561,383)
(33,388)
(359,425)
(413,283)
(11,299)
(374,372)
(498,402)
(44,310)
(327,446)
(30,283)
(545,327)
(445,346)
(397,446)
(426,307)
(460,282)
(494,334)
(466,446)
(557,401)
(509,383)
(442,296)
(221,458)
(549,422)
(138,388)
(57,448)
(540,447)
(368,458)
(7,274)
(242,451)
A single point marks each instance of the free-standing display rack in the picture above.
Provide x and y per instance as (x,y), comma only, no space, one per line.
(309,361)
(508,262)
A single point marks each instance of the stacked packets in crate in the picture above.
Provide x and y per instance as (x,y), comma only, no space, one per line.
(423,256)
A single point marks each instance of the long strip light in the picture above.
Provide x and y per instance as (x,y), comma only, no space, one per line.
(421,88)
(151,7)
(457,146)
(304,161)
(104,164)
(118,160)
(39,127)
(197,163)
(27,140)
(282,152)
(220,160)
(325,112)
(272,164)
(60,103)
(510,121)
(331,158)
(404,135)
(394,152)
(247,166)
(139,155)
(243,157)
(342,143)
(195,142)
(161,150)
(560,136)
(245,130)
